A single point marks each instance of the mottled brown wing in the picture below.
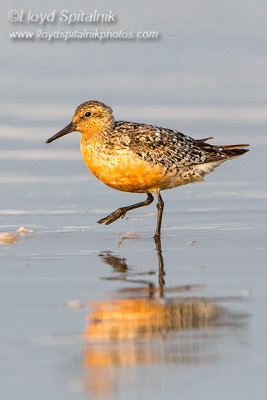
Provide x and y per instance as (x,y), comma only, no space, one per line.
(172,149)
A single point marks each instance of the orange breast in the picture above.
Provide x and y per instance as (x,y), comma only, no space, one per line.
(121,169)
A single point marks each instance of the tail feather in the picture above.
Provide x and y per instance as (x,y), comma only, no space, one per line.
(220,152)
(215,155)
(233,151)
(205,139)
(233,146)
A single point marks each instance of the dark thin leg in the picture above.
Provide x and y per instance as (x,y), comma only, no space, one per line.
(160,207)
(120,212)
(161,266)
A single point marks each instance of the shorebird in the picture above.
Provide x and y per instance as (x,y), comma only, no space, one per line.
(140,158)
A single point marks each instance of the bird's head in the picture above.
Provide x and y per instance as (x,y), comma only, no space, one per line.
(90,118)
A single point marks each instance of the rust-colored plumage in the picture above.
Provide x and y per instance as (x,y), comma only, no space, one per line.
(141,158)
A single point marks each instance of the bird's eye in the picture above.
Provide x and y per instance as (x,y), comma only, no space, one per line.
(87,114)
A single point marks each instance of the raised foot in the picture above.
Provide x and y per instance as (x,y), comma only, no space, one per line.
(119,213)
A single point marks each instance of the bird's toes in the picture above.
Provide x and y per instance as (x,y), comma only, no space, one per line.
(106,220)
(115,216)
(109,219)
(101,221)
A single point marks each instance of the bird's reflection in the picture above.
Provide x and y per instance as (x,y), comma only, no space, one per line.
(152,323)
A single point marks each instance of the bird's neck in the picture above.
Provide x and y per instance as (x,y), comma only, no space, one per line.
(97,136)
(100,131)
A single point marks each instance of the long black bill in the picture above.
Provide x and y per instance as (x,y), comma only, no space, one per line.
(68,129)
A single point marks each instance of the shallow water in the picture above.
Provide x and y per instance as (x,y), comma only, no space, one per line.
(90,311)
(198,326)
